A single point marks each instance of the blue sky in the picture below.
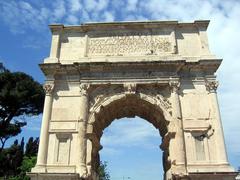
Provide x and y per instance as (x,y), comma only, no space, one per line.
(25,41)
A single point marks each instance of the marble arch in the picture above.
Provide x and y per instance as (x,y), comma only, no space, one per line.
(154,109)
(162,71)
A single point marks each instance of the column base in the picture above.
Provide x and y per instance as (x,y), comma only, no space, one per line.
(206,176)
(213,176)
(39,169)
(53,176)
(223,167)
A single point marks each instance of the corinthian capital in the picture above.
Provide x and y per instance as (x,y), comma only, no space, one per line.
(84,89)
(174,85)
(48,88)
(212,86)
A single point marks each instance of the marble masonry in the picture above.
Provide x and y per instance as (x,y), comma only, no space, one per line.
(161,71)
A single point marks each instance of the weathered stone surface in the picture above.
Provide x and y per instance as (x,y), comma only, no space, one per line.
(161,71)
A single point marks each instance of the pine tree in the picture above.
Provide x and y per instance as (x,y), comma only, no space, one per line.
(11,159)
(20,96)
(32,147)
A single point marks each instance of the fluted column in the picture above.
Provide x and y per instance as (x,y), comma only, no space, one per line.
(217,123)
(44,135)
(179,152)
(82,125)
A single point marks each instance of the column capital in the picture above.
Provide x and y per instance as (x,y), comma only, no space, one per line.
(174,85)
(84,87)
(48,88)
(212,86)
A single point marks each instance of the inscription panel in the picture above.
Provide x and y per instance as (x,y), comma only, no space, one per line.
(131,43)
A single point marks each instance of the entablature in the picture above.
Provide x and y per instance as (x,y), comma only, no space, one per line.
(147,72)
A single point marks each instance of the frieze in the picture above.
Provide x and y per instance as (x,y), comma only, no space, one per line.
(130,43)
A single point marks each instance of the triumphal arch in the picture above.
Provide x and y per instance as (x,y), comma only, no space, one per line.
(161,71)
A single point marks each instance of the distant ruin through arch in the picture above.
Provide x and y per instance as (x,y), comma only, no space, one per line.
(161,71)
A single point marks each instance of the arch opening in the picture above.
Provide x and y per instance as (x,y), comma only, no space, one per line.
(131,149)
(127,106)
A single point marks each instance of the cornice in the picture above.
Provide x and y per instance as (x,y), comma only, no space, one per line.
(84,27)
(176,66)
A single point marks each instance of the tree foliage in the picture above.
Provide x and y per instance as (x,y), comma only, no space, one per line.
(27,164)
(103,172)
(32,147)
(20,95)
(14,162)
(11,158)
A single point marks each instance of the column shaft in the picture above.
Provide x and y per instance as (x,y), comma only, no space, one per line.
(180,156)
(82,139)
(82,130)
(44,135)
(179,143)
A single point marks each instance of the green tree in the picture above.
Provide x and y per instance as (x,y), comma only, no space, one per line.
(27,164)
(2,68)
(103,172)
(20,96)
(32,147)
(11,159)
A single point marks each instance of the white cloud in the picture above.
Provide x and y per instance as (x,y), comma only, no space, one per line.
(130,132)
(132,5)
(71,19)
(44,14)
(20,16)
(102,5)
(90,5)
(117,5)
(25,5)
(85,16)
(108,16)
(75,5)
(59,10)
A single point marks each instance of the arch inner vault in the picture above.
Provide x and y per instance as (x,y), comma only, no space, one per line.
(161,71)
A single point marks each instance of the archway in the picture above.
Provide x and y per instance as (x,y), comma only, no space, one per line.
(128,105)
(160,71)
(131,150)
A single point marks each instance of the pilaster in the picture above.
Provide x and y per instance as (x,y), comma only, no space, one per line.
(211,86)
